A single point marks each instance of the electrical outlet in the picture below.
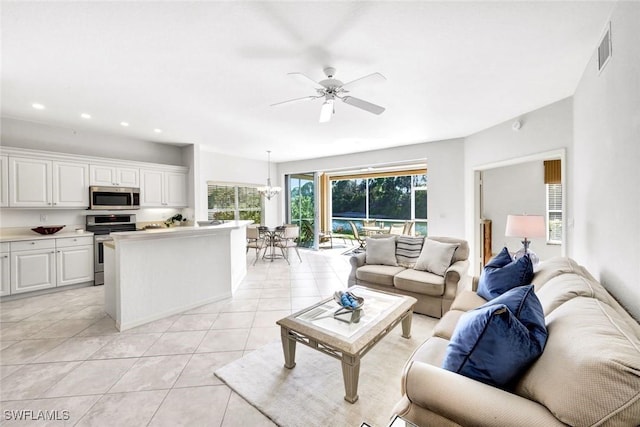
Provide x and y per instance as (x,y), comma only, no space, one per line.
(43,218)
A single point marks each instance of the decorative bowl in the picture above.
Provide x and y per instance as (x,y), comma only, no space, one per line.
(52,229)
(337,297)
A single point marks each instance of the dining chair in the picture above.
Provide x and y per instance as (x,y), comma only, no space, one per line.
(397,229)
(287,239)
(356,235)
(369,222)
(255,241)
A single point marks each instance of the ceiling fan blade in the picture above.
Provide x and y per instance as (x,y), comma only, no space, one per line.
(326,111)
(367,106)
(303,78)
(304,98)
(371,78)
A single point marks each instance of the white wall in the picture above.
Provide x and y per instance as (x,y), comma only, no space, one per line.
(605,196)
(516,190)
(38,136)
(445,170)
(544,130)
(236,170)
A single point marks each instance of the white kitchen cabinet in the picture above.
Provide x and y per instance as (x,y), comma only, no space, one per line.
(4,181)
(5,269)
(160,188)
(114,176)
(70,184)
(32,269)
(36,182)
(30,182)
(74,260)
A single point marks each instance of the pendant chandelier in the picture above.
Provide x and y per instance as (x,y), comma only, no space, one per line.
(268,191)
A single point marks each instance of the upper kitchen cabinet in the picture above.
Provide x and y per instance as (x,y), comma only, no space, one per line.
(106,175)
(161,188)
(35,182)
(4,181)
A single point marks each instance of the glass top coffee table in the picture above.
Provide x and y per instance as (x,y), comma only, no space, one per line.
(347,336)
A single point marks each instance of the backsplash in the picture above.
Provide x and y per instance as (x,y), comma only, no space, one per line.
(75,218)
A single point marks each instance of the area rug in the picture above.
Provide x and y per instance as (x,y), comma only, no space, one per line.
(312,393)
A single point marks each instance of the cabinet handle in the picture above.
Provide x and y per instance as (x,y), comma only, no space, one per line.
(54,203)
(5,256)
(33,243)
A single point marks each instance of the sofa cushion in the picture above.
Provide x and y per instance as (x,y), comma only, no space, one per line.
(589,373)
(461,254)
(420,282)
(562,288)
(492,345)
(432,351)
(435,256)
(408,250)
(497,279)
(467,300)
(378,274)
(381,251)
(447,324)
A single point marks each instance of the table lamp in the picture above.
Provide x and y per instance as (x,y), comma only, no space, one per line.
(525,226)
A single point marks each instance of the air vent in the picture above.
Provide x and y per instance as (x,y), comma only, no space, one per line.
(604,49)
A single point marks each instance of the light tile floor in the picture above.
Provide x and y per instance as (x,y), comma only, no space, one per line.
(61,352)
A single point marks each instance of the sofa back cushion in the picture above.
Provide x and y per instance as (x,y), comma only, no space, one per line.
(462,253)
(408,250)
(566,286)
(589,372)
(435,256)
(497,342)
(497,278)
(381,251)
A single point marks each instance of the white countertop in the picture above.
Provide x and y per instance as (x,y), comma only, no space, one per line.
(27,234)
(181,231)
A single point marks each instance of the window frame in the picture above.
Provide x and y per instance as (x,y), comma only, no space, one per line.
(549,212)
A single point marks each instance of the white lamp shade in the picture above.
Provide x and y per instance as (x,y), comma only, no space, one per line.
(525,226)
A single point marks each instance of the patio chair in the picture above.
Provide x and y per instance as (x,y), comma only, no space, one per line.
(408,228)
(397,229)
(356,235)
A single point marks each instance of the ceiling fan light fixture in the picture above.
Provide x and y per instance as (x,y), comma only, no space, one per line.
(326,111)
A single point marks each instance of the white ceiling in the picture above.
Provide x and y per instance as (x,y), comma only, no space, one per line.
(206,72)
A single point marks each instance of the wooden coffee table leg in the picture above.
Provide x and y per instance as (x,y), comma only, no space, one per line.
(350,375)
(289,348)
(406,325)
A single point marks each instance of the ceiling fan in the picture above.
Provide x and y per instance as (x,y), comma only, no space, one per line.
(331,89)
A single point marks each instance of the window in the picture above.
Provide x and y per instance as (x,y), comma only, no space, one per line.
(234,202)
(554,213)
(394,197)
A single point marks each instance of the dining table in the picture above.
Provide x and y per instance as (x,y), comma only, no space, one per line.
(370,230)
(271,236)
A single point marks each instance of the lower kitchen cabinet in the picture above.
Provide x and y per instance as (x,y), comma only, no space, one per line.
(74,261)
(33,270)
(5,284)
(46,263)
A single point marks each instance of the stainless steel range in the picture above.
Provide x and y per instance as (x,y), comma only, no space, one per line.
(101,226)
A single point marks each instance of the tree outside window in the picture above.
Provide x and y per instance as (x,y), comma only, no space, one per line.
(234,202)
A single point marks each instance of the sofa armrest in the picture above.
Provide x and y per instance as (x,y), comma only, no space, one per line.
(356,261)
(452,277)
(439,391)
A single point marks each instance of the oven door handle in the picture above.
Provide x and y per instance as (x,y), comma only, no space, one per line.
(103,238)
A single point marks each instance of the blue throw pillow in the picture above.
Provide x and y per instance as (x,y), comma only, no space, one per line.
(497,279)
(492,345)
(500,260)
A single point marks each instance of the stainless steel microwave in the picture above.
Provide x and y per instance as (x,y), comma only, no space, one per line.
(114,198)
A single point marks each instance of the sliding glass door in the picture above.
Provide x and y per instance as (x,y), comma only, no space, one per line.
(301,206)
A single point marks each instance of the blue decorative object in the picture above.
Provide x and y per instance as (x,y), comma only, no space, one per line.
(498,277)
(497,342)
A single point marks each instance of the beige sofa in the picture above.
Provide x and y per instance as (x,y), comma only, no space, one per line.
(588,374)
(434,293)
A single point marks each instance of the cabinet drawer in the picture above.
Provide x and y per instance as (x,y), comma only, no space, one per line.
(28,245)
(4,247)
(74,241)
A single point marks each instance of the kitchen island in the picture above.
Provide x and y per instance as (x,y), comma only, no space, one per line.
(153,274)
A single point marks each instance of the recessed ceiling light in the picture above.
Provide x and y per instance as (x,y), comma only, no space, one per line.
(125,124)
(85,116)
(38,106)
(157,130)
